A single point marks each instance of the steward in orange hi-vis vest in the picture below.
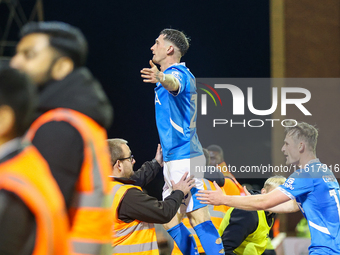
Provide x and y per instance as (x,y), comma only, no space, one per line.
(90,210)
(28,176)
(136,237)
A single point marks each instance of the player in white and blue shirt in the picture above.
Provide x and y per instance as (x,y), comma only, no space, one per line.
(176,123)
(176,106)
(312,188)
(316,191)
(176,116)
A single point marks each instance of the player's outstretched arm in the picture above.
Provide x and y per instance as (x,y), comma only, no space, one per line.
(250,203)
(287,207)
(153,75)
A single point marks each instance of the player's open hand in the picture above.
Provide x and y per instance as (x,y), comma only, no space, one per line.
(151,75)
(212,197)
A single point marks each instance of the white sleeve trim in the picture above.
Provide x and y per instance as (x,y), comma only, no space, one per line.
(175,126)
(286,193)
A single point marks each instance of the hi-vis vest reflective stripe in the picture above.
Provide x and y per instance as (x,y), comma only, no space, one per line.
(28,176)
(136,237)
(216,213)
(256,242)
(90,210)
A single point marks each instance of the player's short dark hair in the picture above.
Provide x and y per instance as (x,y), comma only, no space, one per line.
(217,149)
(178,38)
(303,131)
(18,92)
(67,40)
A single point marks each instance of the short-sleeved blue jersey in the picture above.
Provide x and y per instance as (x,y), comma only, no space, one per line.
(316,191)
(176,116)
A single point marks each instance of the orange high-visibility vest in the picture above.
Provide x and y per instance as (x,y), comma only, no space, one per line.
(231,185)
(28,176)
(90,209)
(276,227)
(216,215)
(136,237)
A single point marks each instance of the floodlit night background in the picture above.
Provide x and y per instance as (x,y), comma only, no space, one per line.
(229,39)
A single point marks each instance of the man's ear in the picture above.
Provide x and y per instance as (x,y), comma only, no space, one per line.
(302,147)
(263,191)
(170,50)
(62,67)
(119,165)
(117,168)
(7,122)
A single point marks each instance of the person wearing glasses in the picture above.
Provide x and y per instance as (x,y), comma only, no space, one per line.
(134,212)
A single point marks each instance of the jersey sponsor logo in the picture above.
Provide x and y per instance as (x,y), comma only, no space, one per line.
(157,99)
(328,178)
(289,183)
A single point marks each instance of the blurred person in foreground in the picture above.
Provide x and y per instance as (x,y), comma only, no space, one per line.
(69,130)
(33,216)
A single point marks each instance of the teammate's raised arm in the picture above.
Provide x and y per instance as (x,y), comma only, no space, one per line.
(259,202)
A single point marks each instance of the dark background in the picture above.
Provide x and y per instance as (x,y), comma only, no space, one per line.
(228,39)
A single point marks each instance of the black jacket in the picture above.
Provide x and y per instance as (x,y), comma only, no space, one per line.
(59,142)
(137,205)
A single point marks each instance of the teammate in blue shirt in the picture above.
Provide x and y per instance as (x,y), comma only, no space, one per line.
(313,188)
(176,105)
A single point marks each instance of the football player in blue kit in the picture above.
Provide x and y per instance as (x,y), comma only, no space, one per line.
(176,105)
(312,188)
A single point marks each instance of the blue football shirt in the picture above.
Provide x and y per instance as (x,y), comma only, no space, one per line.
(176,116)
(316,191)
